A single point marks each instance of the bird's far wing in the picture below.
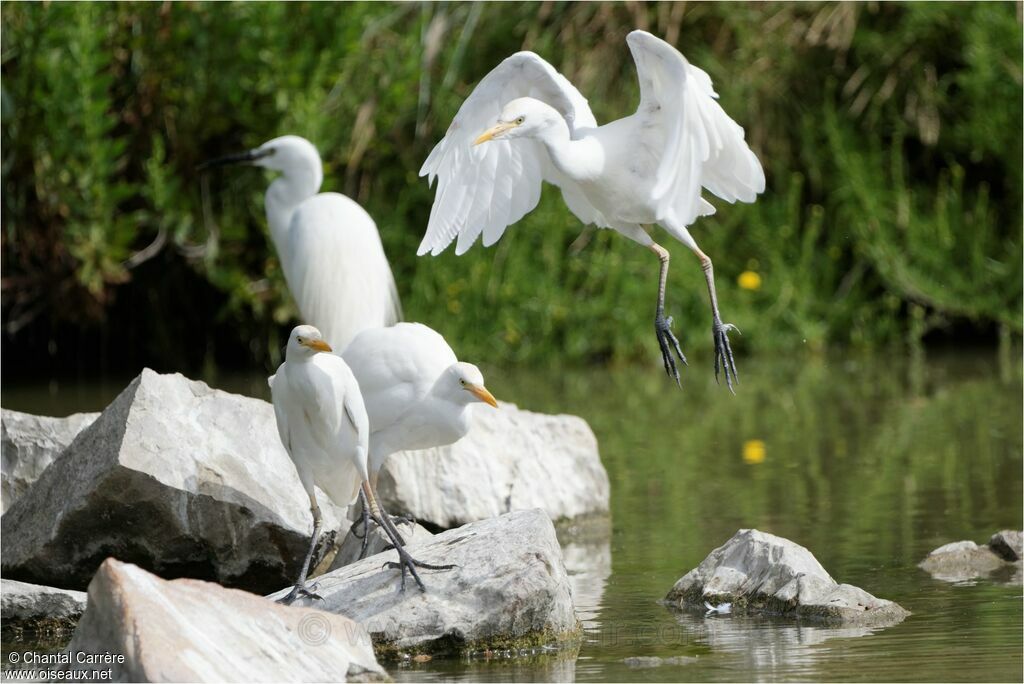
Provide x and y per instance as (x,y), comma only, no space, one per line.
(698,144)
(337,270)
(485,188)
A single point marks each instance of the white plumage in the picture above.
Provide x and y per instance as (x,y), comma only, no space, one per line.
(417,394)
(321,417)
(329,247)
(643,169)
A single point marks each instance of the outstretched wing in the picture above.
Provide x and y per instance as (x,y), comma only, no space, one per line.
(484,189)
(699,145)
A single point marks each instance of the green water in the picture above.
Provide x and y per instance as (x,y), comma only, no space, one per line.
(868,462)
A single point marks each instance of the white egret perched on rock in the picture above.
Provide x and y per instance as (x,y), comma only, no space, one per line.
(323,425)
(329,247)
(647,168)
(417,394)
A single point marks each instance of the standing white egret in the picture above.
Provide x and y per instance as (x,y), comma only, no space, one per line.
(417,393)
(323,425)
(329,247)
(643,169)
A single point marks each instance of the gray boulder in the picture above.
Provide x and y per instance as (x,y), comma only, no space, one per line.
(176,477)
(759,572)
(509,589)
(30,443)
(38,609)
(962,561)
(194,631)
(496,468)
(1008,544)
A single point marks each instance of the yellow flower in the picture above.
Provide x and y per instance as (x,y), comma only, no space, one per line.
(753,451)
(749,280)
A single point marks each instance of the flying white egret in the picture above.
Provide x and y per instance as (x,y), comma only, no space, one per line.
(323,425)
(417,393)
(646,168)
(328,245)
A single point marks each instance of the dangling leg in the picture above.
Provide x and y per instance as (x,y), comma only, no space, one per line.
(720,330)
(300,588)
(405,561)
(667,342)
(662,325)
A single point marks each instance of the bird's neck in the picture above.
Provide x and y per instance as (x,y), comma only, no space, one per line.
(577,159)
(286,193)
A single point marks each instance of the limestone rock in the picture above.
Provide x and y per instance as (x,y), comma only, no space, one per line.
(963,561)
(28,444)
(496,468)
(36,608)
(759,572)
(508,589)
(194,631)
(176,477)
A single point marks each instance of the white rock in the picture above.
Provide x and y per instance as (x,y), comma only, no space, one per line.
(30,443)
(962,561)
(194,631)
(177,477)
(497,468)
(759,572)
(39,608)
(509,589)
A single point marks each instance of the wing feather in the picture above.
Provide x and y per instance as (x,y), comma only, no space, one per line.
(701,146)
(345,284)
(482,190)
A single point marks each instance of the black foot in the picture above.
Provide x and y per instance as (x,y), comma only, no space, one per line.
(723,353)
(300,590)
(364,524)
(408,564)
(668,342)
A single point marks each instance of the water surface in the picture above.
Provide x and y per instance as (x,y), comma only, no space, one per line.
(868,462)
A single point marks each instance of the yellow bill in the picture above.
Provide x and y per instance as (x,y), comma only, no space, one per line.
(318,345)
(481,393)
(493,131)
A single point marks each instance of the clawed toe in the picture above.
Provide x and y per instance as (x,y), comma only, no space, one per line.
(668,343)
(723,353)
(301,591)
(407,564)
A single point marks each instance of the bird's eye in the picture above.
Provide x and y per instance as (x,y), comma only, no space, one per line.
(461,381)
(299,340)
(520,120)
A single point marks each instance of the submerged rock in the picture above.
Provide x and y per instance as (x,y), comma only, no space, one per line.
(759,572)
(39,609)
(194,631)
(497,468)
(509,589)
(174,476)
(962,561)
(28,444)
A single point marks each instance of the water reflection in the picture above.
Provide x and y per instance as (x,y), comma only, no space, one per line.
(587,554)
(764,645)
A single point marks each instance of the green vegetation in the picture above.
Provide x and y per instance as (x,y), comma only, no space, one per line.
(890,134)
